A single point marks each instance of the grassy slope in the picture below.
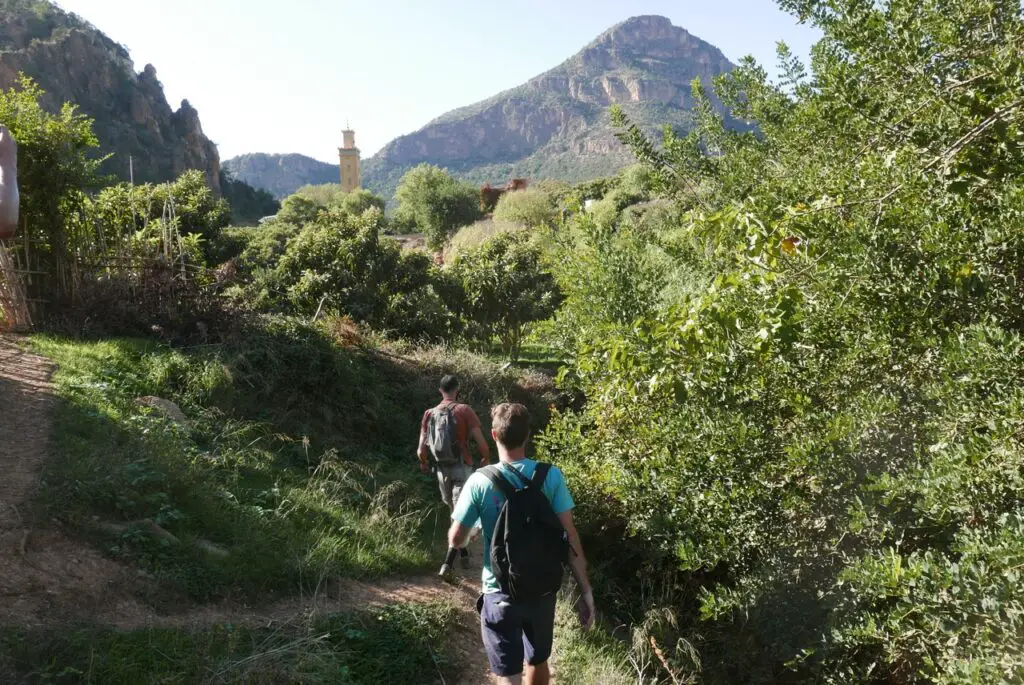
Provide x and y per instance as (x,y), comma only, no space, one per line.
(297,460)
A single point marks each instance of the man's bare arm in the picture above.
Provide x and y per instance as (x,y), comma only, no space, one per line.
(481,444)
(578,564)
(422,453)
(458,535)
(577,560)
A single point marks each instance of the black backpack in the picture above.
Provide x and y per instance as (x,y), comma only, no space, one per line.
(529,546)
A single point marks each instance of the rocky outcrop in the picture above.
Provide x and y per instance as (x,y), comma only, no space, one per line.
(74,62)
(556,124)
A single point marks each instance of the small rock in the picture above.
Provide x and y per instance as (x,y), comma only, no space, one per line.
(158,531)
(213,549)
(165,407)
(110,528)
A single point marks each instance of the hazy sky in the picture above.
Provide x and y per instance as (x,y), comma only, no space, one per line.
(284,76)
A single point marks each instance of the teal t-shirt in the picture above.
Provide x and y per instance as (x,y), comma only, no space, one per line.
(480,503)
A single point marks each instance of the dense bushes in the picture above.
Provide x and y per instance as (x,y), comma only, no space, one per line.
(341,263)
(815,437)
(331,195)
(56,171)
(188,202)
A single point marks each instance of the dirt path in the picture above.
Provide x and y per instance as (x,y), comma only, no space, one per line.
(41,570)
(49,578)
(25,403)
(335,597)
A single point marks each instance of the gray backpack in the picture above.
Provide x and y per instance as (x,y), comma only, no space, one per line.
(441,434)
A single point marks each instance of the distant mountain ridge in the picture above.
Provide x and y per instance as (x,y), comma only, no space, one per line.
(75,62)
(281,175)
(556,124)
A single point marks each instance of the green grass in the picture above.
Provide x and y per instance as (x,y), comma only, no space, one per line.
(290,514)
(589,658)
(397,644)
(533,355)
(298,459)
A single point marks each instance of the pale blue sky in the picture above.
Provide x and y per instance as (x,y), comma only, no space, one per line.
(283,76)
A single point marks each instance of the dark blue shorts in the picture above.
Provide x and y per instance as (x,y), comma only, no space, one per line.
(514,632)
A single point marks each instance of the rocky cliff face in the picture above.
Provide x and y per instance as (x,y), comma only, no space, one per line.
(74,62)
(556,125)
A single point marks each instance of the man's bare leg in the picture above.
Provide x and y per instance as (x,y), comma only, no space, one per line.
(538,675)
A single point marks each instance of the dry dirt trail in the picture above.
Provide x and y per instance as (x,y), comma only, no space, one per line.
(47,578)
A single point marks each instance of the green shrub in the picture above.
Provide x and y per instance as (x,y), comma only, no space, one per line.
(331,195)
(474,235)
(814,442)
(340,263)
(530,207)
(298,211)
(506,287)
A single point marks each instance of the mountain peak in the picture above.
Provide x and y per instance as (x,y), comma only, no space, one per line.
(640,31)
(652,22)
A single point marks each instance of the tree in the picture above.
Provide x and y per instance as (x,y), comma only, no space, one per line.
(358,201)
(530,207)
(298,210)
(506,287)
(302,206)
(56,169)
(321,194)
(437,203)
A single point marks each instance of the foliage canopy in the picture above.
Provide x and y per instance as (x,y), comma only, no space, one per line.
(436,203)
(816,434)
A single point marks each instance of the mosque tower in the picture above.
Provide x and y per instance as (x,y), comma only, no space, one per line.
(349,158)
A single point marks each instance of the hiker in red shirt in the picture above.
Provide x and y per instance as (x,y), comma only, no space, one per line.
(444,437)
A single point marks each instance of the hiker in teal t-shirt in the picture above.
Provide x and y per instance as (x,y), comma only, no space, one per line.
(514,630)
(480,504)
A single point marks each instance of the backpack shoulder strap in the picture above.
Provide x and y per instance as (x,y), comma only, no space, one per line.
(493,474)
(540,475)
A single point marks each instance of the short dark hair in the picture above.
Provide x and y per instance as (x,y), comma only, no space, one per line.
(511,424)
(449,384)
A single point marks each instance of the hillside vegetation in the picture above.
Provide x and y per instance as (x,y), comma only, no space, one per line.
(789,368)
(804,434)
